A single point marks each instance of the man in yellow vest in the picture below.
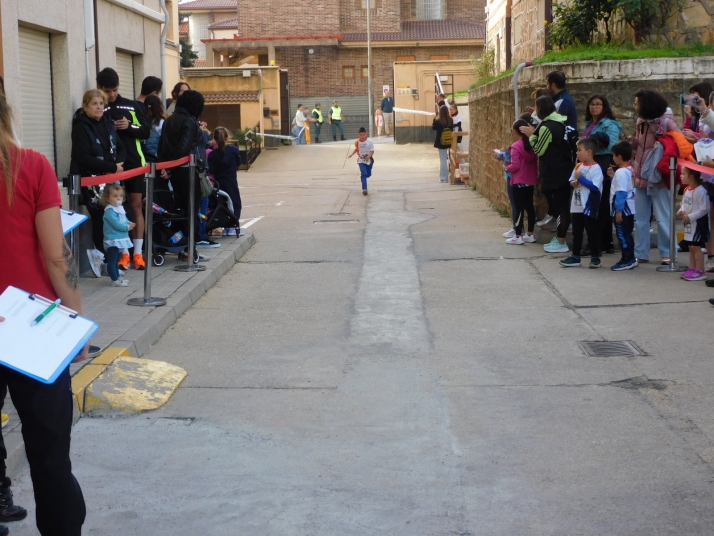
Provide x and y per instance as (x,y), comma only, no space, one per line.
(317,116)
(336,121)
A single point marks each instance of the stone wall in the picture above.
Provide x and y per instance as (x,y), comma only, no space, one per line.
(492,107)
(528,33)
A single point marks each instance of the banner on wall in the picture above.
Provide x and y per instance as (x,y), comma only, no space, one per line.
(385,90)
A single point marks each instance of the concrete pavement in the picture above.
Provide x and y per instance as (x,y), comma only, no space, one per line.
(388,365)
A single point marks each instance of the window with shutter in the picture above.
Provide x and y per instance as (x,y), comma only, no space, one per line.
(125,70)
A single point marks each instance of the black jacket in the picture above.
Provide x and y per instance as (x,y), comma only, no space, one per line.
(555,166)
(182,136)
(138,130)
(96,147)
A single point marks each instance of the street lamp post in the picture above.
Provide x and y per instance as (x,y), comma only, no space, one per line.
(370,103)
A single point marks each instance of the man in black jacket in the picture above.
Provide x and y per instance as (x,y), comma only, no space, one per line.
(182,136)
(132,128)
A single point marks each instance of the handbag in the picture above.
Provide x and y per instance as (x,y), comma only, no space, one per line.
(205,183)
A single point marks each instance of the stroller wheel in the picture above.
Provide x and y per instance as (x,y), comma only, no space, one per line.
(158,259)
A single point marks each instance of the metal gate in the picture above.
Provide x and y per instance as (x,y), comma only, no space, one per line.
(355,112)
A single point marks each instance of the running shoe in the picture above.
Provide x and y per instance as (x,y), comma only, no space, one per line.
(139,263)
(570,262)
(207,244)
(595,263)
(124,261)
(624,265)
(545,221)
(665,261)
(709,265)
(698,275)
(95,261)
(509,234)
(515,240)
(364,192)
(687,274)
(229,231)
(9,511)
(121,282)
(529,238)
(556,247)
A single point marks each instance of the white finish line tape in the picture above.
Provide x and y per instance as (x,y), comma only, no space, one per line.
(417,112)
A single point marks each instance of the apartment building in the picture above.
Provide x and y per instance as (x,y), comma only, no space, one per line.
(51,50)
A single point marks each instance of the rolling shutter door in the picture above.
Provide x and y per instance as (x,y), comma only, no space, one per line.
(38,130)
(355,111)
(125,70)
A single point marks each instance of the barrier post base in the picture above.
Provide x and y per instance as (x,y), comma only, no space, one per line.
(189,268)
(143,302)
(671,267)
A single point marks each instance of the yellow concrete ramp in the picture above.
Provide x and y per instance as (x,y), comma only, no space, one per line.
(132,385)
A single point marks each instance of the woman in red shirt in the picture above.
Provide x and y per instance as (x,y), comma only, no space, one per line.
(32,230)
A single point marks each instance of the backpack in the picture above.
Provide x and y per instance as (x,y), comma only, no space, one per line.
(447,136)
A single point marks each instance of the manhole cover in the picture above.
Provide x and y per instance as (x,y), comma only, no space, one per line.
(610,348)
(335,221)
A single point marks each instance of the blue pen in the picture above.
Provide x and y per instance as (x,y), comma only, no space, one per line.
(46,312)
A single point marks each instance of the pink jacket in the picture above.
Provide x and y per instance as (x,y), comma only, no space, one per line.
(646,135)
(524,165)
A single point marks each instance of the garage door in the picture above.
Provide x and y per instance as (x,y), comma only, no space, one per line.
(355,111)
(125,70)
(38,130)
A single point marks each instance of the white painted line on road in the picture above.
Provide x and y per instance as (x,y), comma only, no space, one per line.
(266,193)
(280,204)
(251,222)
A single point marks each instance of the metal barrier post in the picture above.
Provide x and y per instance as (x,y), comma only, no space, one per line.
(672,266)
(191,266)
(148,300)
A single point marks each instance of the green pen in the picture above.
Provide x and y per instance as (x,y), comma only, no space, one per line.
(46,312)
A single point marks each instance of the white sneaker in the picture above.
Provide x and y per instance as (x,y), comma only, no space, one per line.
(121,282)
(709,265)
(516,241)
(509,234)
(556,247)
(106,273)
(529,238)
(95,261)
(545,221)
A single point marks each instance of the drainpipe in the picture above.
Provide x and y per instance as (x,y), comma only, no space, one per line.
(167,20)
(262,103)
(89,35)
(515,84)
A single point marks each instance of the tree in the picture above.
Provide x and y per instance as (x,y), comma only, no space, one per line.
(188,56)
(576,23)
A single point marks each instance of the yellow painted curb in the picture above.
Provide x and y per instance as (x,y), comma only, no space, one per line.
(91,371)
(132,385)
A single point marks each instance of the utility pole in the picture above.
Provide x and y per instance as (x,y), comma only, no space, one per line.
(370,95)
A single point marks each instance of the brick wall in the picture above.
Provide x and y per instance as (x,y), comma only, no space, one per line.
(288,18)
(491,107)
(468,10)
(385,16)
(321,73)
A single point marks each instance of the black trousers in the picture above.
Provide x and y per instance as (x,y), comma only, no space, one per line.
(559,207)
(624,234)
(230,186)
(180,184)
(581,223)
(606,242)
(46,415)
(523,199)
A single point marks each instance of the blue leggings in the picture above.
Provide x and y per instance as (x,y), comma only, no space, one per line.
(112,257)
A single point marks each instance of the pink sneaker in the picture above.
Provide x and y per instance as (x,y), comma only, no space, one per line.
(694,275)
(687,274)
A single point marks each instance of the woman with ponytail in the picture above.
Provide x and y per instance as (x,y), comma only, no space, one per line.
(42,264)
(223,164)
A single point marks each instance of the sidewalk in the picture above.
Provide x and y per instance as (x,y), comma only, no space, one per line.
(136,328)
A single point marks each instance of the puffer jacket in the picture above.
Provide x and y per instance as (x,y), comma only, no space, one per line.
(182,136)
(647,132)
(610,128)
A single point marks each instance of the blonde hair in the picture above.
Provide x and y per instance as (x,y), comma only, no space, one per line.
(108,189)
(92,94)
(8,168)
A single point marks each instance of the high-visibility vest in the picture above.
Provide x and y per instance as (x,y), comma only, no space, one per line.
(336,113)
(135,121)
(319,114)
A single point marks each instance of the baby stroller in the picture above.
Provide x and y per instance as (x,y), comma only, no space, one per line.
(170,223)
(220,211)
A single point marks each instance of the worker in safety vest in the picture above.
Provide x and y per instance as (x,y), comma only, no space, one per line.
(317,116)
(336,121)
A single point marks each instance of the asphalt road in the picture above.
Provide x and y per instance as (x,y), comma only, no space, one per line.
(387,365)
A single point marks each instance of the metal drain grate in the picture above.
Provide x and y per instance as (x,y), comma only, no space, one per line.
(610,348)
(335,221)
(338,214)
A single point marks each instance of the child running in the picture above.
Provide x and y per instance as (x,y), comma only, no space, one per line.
(622,204)
(586,181)
(524,176)
(695,213)
(116,230)
(365,148)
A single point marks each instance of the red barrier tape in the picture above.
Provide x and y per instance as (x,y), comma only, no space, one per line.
(113,177)
(696,167)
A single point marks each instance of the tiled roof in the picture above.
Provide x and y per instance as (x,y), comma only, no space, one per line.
(208,4)
(426,30)
(218,97)
(225,24)
(199,63)
(183,28)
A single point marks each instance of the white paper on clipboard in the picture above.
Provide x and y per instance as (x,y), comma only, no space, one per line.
(70,220)
(42,351)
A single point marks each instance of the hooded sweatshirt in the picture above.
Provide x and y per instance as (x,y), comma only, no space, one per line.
(555,163)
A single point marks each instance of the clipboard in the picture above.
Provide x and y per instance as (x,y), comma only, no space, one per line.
(70,220)
(45,350)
